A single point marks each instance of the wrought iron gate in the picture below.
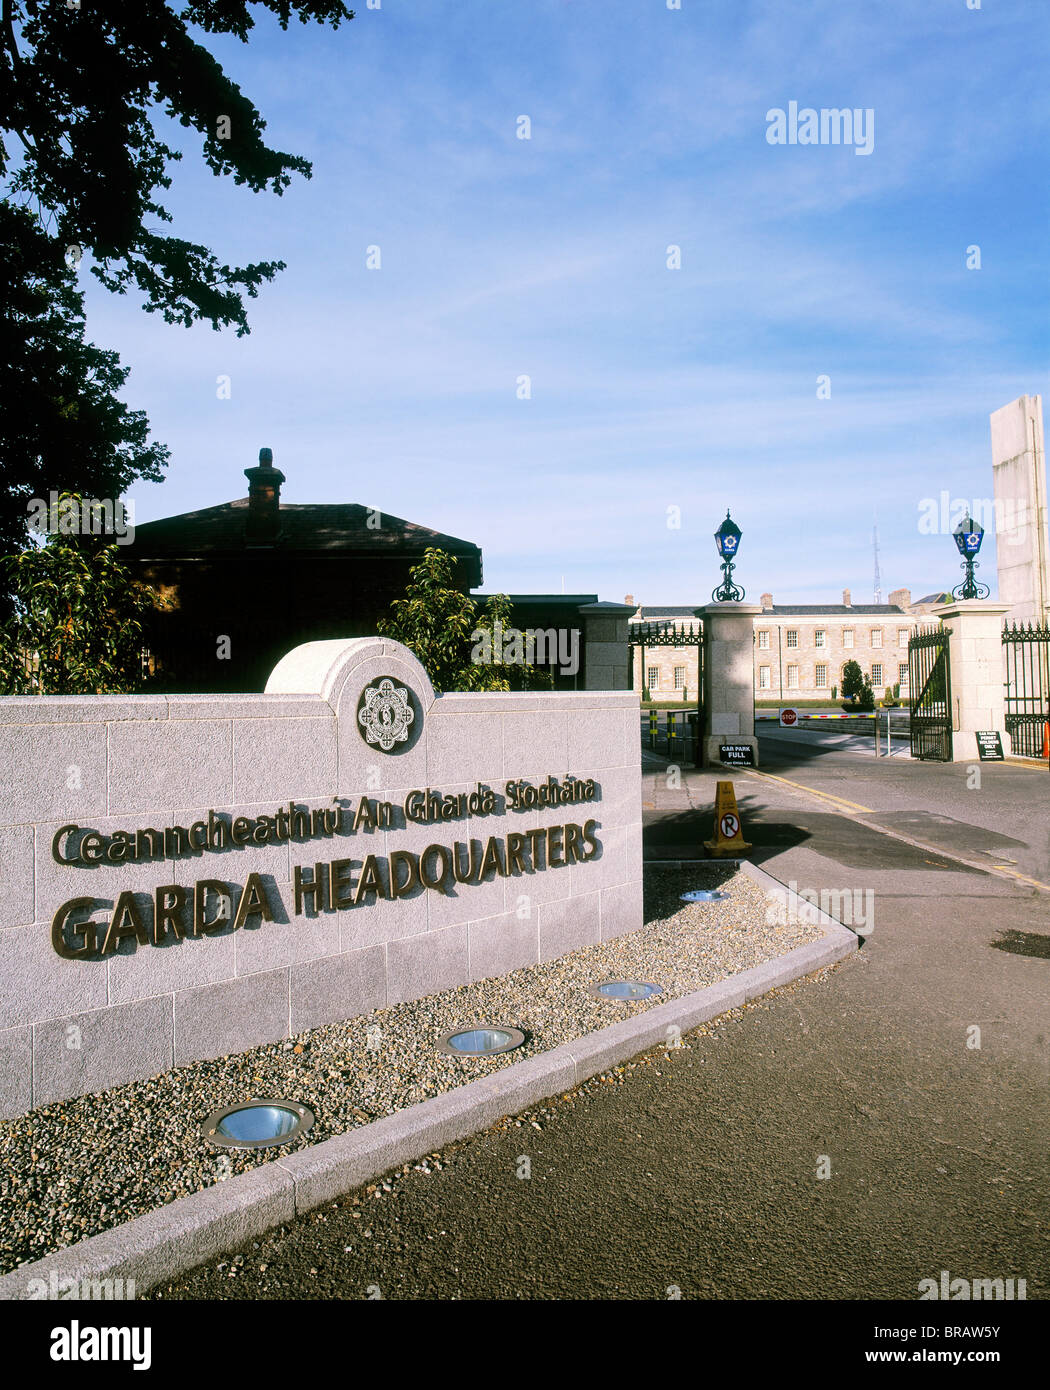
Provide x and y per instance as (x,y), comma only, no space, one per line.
(672,634)
(930,683)
(1027,694)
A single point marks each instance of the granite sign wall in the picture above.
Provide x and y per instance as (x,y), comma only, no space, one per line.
(187,876)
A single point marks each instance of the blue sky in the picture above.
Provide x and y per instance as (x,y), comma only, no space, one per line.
(651,388)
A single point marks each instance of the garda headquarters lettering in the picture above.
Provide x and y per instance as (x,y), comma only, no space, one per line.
(205,908)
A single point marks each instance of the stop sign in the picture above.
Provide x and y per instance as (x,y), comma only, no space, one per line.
(788,718)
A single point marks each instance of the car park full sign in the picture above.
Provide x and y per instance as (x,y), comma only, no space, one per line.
(736,754)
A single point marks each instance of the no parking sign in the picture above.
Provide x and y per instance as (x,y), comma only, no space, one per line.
(729,838)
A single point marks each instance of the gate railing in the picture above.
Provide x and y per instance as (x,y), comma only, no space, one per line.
(670,633)
(1026,652)
(929,679)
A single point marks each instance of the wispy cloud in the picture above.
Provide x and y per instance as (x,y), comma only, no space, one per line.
(547,258)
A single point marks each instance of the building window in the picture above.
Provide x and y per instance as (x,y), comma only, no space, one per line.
(847,637)
(654,678)
(763,641)
(763,677)
(820,638)
(792,636)
(902,673)
(821,677)
(902,637)
(792,677)
(876,636)
(876,673)
(679,677)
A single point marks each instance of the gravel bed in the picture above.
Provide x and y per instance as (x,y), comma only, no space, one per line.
(74,1168)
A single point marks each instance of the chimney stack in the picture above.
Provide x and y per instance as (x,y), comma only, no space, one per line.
(264,500)
(767,603)
(846,599)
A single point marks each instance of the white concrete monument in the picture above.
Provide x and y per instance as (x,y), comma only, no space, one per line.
(1019,474)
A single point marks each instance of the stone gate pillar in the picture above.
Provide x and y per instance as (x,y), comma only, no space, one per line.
(729,677)
(606,655)
(975,659)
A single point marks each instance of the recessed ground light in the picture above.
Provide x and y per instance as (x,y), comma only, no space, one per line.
(704,895)
(482,1040)
(619,990)
(257,1124)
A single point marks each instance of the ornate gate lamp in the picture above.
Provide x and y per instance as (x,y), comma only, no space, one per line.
(968,537)
(727,538)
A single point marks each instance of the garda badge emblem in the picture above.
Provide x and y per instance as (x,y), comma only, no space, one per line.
(385,714)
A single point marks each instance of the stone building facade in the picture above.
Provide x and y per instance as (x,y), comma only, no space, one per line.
(800,649)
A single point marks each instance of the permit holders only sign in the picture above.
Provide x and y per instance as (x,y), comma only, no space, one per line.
(989,746)
(736,754)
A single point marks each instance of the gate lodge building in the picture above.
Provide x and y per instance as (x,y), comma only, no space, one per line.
(248,580)
(242,583)
(800,649)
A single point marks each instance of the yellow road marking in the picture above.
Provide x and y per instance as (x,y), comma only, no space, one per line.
(1022,878)
(896,835)
(810,791)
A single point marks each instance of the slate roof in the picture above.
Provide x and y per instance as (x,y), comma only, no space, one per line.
(788,610)
(339,527)
(547,600)
(667,612)
(866,610)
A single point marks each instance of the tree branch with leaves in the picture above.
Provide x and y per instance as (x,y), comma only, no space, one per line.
(77,623)
(440,625)
(82,165)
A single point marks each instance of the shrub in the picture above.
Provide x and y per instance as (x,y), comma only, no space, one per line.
(76,626)
(852,681)
(455,643)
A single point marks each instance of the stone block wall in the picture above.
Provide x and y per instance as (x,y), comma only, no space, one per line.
(82,776)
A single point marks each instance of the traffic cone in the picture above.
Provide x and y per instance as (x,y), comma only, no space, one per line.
(728,842)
